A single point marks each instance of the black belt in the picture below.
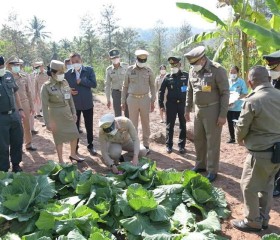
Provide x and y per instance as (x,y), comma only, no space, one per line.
(271,149)
(8,112)
(117,90)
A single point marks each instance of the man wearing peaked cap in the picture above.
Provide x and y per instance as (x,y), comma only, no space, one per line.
(176,85)
(208,94)
(258,129)
(139,85)
(11,137)
(273,67)
(115,74)
(117,134)
(25,94)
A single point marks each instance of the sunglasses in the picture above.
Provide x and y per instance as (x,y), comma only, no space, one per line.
(142,60)
(109,129)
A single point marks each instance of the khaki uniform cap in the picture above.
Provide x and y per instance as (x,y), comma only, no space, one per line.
(272,60)
(38,64)
(13,59)
(195,54)
(106,120)
(57,65)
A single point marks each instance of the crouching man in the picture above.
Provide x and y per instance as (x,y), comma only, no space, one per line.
(117,134)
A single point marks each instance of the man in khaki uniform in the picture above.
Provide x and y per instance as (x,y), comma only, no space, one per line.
(13,65)
(115,135)
(40,79)
(139,84)
(208,93)
(258,128)
(115,75)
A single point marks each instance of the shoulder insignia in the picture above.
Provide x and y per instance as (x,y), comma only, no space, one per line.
(216,65)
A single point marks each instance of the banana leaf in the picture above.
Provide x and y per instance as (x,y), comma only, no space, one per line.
(205,14)
(274,6)
(220,50)
(263,36)
(275,23)
(196,39)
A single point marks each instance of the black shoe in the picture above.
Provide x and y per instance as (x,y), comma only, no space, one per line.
(80,131)
(43,125)
(198,170)
(169,149)
(31,148)
(92,151)
(39,116)
(16,168)
(242,226)
(276,193)
(121,159)
(231,141)
(182,150)
(148,149)
(34,132)
(76,159)
(264,227)
(211,177)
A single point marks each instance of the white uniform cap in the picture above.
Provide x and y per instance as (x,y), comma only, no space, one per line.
(142,53)
(106,120)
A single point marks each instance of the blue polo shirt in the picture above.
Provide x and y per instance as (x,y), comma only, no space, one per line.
(238,86)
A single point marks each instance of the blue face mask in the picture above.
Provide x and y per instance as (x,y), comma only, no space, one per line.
(15,69)
(69,66)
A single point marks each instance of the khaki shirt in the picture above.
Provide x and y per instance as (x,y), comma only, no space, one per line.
(53,95)
(24,90)
(126,133)
(208,86)
(114,78)
(40,79)
(138,81)
(259,121)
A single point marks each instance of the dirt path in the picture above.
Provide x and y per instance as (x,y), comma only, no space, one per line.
(232,158)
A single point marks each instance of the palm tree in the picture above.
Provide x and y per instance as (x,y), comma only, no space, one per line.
(35,30)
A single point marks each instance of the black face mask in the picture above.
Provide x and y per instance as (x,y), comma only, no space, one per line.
(109,129)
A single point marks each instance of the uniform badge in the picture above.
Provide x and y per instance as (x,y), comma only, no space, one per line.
(207,74)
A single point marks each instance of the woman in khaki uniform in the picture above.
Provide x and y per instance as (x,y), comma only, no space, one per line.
(59,111)
(21,79)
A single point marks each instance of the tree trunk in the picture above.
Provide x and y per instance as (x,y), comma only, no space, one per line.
(245,55)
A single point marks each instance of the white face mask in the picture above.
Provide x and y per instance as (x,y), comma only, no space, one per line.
(15,69)
(69,66)
(2,72)
(115,61)
(197,68)
(77,66)
(232,76)
(141,65)
(174,70)
(60,77)
(162,71)
(274,74)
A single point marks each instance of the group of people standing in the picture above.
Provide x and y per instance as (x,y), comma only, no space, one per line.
(207,90)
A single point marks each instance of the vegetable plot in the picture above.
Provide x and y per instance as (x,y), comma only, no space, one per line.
(144,203)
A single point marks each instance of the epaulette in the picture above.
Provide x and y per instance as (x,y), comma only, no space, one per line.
(22,74)
(109,67)
(250,94)
(216,65)
(47,82)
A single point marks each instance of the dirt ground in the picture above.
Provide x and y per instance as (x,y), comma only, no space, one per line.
(232,158)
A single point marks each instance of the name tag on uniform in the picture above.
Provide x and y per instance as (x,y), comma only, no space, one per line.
(67,96)
(206,88)
(207,74)
(184,88)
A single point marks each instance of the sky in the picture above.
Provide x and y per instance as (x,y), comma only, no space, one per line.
(62,17)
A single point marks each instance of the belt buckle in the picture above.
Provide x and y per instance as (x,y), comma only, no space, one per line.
(178,101)
(10,112)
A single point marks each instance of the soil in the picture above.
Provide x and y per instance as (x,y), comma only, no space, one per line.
(232,158)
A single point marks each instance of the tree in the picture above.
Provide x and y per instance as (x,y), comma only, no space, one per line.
(108,25)
(35,30)
(158,44)
(234,33)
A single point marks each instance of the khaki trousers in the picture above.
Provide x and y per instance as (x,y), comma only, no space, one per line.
(207,138)
(26,124)
(140,106)
(257,184)
(115,150)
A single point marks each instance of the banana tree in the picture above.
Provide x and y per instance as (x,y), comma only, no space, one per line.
(234,33)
